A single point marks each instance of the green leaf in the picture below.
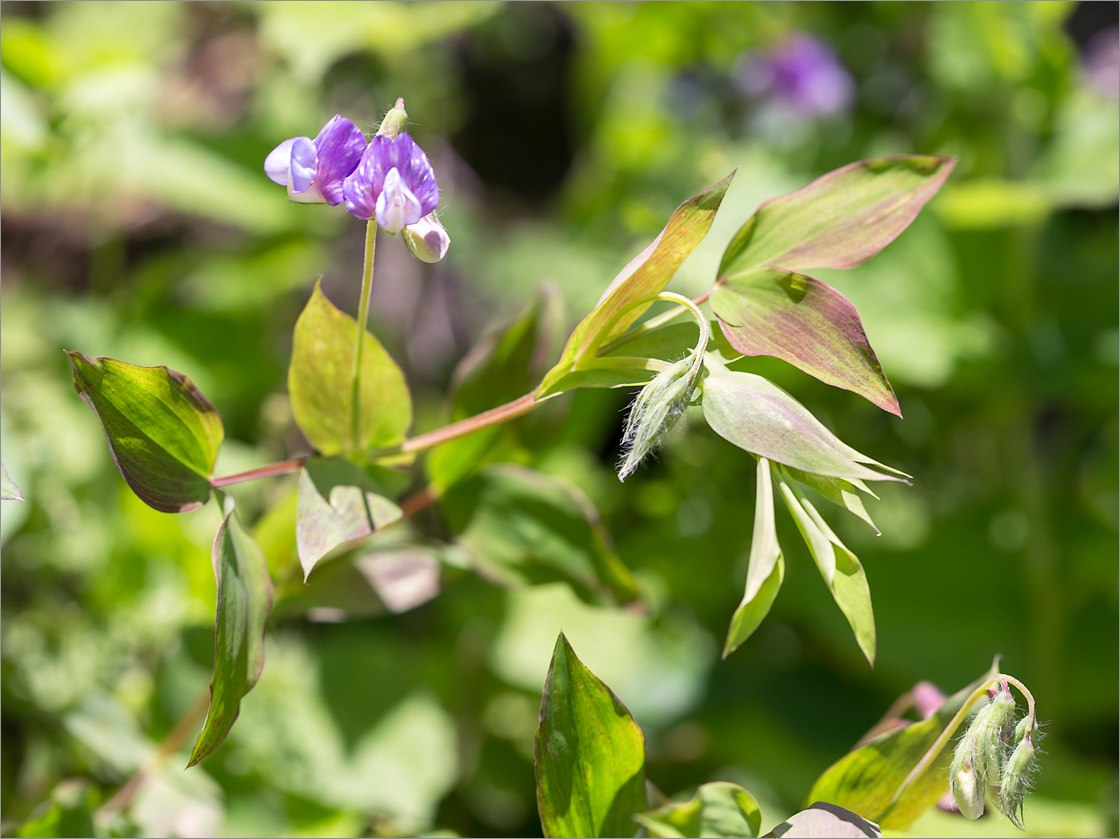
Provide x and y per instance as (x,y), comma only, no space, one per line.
(68,812)
(163,433)
(718,809)
(840,568)
(799,319)
(763,419)
(589,754)
(8,489)
(646,274)
(839,220)
(840,492)
(320,383)
(339,502)
(503,366)
(766,567)
(524,528)
(870,780)
(244,601)
(826,821)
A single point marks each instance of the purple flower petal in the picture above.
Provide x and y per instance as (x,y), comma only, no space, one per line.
(303,166)
(364,186)
(339,145)
(279,161)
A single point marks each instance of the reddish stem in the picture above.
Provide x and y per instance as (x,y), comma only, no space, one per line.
(282,468)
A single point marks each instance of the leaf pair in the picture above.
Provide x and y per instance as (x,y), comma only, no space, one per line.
(766,306)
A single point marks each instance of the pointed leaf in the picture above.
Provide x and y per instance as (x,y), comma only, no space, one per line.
(163,433)
(8,489)
(646,274)
(799,319)
(524,528)
(339,502)
(502,367)
(763,419)
(244,601)
(320,383)
(765,569)
(869,780)
(718,809)
(589,754)
(839,567)
(840,492)
(839,220)
(826,821)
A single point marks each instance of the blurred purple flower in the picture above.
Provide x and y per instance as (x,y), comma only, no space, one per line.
(394,182)
(801,74)
(314,170)
(1102,62)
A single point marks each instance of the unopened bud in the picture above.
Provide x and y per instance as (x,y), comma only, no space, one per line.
(427,239)
(967,789)
(394,121)
(1016,773)
(655,411)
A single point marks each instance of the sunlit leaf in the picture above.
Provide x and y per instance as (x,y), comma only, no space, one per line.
(646,274)
(869,780)
(244,601)
(825,821)
(840,568)
(718,809)
(320,383)
(840,492)
(506,364)
(799,319)
(763,419)
(589,754)
(524,528)
(8,489)
(766,568)
(839,220)
(339,502)
(163,433)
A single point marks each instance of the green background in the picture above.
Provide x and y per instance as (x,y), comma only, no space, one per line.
(138,223)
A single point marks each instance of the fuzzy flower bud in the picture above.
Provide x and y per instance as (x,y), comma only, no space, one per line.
(967,789)
(394,121)
(980,755)
(1016,773)
(427,240)
(655,411)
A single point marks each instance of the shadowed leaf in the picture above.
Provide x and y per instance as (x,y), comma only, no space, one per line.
(719,809)
(869,780)
(244,601)
(646,274)
(589,754)
(524,528)
(163,433)
(320,383)
(339,502)
(799,319)
(839,220)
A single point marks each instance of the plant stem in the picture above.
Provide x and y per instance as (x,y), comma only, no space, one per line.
(495,416)
(654,322)
(281,468)
(363,316)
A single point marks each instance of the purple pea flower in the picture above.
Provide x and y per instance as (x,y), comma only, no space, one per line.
(394,182)
(314,170)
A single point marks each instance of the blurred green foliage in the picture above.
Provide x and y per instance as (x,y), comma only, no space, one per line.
(138,224)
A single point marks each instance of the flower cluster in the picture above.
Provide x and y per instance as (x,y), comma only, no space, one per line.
(390,179)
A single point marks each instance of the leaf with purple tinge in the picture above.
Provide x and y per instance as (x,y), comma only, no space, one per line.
(8,489)
(244,602)
(339,502)
(646,274)
(840,220)
(799,319)
(163,433)
(763,419)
